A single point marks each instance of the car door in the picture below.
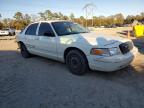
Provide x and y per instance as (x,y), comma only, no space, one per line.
(47,41)
(31,38)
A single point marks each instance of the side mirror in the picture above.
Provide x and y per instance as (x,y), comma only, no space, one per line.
(49,34)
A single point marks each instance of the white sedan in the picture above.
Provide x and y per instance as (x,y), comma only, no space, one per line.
(7,31)
(73,44)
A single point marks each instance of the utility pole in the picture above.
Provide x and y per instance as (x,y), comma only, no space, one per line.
(86,17)
(92,17)
(89,8)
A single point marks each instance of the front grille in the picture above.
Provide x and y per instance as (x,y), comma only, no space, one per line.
(126,47)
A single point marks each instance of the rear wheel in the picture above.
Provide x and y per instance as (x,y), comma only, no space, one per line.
(77,62)
(24,51)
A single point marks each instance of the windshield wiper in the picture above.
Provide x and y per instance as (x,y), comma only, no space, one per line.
(72,33)
(84,32)
(69,33)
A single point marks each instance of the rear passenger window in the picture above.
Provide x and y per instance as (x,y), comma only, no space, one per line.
(45,30)
(31,30)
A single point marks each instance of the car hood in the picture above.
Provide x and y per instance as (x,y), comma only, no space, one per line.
(92,39)
(104,40)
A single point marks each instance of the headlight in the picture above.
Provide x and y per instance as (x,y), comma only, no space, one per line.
(114,51)
(105,51)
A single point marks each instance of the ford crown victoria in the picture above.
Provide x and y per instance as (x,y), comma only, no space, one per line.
(74,45)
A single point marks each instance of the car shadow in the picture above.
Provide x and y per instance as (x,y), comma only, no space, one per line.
(14,59)
(129,72)
(139,43)
(128,76)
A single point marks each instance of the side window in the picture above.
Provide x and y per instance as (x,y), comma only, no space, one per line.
(31,30)
(45,30)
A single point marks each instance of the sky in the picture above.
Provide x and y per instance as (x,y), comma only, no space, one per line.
(103,7)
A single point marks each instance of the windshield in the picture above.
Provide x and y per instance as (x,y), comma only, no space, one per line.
(68,28)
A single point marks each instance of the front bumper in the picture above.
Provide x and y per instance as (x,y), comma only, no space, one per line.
(112,63)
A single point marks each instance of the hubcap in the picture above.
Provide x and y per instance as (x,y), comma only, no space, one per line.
(75,63)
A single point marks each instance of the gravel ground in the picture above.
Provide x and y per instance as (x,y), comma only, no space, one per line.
(42,83)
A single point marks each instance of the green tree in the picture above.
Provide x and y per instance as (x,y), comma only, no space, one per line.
(35,18)
(65,17)
(129,19)
(49,15)
(61,16)
(42,16)
(119,19)
(109,20)
(142,14)
(1,25)
(72,16)
(56,16)
(6,22)
(27,19)
(82,20)
(20,20)
(18,16)
(138,17)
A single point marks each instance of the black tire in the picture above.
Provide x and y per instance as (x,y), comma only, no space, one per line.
(14,34)
(76,62)
(24,51)
(10,34)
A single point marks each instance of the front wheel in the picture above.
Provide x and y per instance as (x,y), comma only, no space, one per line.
(77,62)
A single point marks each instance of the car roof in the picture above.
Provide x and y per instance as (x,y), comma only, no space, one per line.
(50,21)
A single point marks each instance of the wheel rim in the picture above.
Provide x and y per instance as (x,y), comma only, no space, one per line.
(75,63)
